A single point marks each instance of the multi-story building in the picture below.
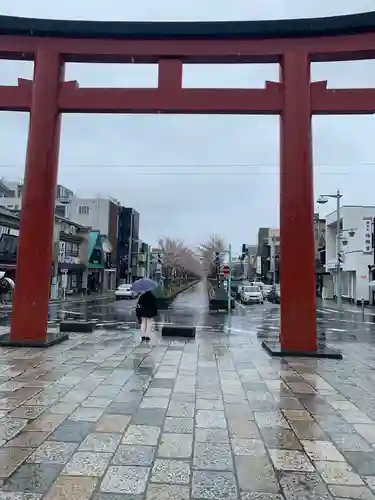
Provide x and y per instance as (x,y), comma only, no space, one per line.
(70,252)
(127,244)
(268,254)
(11,196)
(70,259)
(9,232)
(320,252)
(102,215)
(355,253)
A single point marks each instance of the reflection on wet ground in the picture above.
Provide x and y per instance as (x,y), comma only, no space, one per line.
(102,416)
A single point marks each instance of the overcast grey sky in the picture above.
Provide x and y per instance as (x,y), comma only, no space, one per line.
(189,176)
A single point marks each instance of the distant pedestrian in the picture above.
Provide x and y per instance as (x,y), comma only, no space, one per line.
(146,311)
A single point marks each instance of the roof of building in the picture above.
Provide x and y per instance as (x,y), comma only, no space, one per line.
(284,28)
(9,213)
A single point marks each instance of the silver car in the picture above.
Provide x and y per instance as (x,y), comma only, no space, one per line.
(251,294)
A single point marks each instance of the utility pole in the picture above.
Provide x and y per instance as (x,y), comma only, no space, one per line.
(230,279)
(338,251)
(273,258)
(149,261)
(130,247)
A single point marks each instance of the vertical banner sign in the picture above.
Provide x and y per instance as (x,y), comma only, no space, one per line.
(367,236)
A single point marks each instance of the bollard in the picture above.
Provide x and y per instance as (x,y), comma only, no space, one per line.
(363,307)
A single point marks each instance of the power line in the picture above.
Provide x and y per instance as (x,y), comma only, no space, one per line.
(196,165)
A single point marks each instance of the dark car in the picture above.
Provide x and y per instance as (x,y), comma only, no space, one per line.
(235,289)
(274,296)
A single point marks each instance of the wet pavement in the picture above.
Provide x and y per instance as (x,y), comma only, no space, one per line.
(104,417)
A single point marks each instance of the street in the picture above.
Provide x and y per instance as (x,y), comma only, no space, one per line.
(107,414)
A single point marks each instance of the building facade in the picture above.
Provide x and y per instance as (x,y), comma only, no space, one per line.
(356,230)
(70,258)
(127,244)
(268,254)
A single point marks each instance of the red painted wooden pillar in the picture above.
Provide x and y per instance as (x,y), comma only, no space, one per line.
(297,254)
(34,262)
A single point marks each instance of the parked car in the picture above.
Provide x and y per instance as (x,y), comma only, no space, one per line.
(251,294)
(274,296)
(235,289)
(266,290)
(125,292)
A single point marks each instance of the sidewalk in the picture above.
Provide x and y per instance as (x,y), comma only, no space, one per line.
(331,306)
(103,417)
(72,299)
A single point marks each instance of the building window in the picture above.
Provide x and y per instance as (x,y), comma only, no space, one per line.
(83,210)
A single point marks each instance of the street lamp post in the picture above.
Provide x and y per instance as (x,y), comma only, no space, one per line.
(323,199)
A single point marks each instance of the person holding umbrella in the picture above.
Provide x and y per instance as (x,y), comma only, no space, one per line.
(147,306)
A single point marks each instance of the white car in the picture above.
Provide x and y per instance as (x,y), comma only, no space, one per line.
(125,292)
(251,294)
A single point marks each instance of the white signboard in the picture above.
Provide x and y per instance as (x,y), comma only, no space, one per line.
(62,248)
(367,236)
(259,264)
(64,258)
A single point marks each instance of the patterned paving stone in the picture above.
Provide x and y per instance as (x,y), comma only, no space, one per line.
(248,447)
(33,478)
(112,423)
(181,409)
(11,459)
(280,438)
(261,496)
(291,460)
(209,419)
(149,416)
(351,442)
(243,428)
(352,492)
(28,439)
(142,434)
(134,455)
(85,463)
(214,485)
(338,473)
(72,488)
(150,402)
(158,392)
(72,431)
(256,474)
(271,420)
(10,427)
(87,414)
(53,452)
(303,486)
(363,462)
(171,471)
(101,441)
(167,492)
(322,450)
(211,435)
(213,456)
(178,425)
(175,445)
(29,412)
(5,495)
(129,480)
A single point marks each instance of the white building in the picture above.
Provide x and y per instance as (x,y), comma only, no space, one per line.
(92,212)
(357,253)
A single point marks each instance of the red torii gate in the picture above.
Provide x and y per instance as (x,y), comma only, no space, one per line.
(291,43)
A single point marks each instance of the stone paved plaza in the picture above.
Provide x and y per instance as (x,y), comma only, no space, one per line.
(103,417)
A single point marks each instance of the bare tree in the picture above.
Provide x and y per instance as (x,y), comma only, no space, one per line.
(178,259)
(214,243)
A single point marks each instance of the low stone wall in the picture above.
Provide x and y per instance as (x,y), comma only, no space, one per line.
(164,302)
(218,297)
